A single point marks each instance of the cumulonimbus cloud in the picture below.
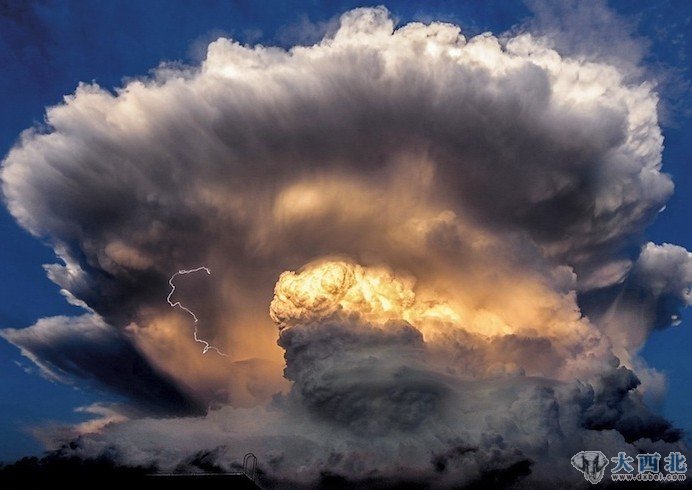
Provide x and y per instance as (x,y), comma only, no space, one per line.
(448,230)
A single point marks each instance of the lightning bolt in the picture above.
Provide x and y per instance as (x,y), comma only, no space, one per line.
(207,346)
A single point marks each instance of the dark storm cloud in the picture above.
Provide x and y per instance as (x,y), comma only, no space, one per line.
(364,377)
(437,211)
(613,404)
(85,350)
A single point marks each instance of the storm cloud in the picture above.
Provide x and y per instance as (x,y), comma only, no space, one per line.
(439,240)
(87,349)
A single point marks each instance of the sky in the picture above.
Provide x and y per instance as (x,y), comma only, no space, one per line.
(49,48)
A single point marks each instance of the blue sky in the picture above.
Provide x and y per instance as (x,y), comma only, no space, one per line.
(47,48)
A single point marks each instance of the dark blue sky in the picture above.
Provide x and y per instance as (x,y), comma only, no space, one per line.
(47,48)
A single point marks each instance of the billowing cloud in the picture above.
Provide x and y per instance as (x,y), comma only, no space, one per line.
(438,239)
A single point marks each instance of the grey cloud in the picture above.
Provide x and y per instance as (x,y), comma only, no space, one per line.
(529,163)
(650,296)
(518,430)
(87,350)
(615,405)
(661,279)
(369,378)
